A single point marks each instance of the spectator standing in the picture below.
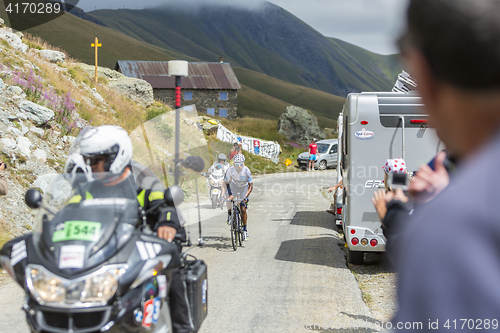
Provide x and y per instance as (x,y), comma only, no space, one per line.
(333,189)
(313,154)
(449,266)
(235,150)
(4,187)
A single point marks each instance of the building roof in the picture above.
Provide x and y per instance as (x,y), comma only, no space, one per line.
(202,75)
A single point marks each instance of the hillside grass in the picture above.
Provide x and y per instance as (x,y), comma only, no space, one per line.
(75,35)
(257,86)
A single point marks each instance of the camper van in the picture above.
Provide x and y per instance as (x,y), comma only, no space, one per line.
(378,126)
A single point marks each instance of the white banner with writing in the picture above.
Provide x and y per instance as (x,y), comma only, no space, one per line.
(259,147)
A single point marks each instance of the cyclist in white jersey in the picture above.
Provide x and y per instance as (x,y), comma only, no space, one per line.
(238,183)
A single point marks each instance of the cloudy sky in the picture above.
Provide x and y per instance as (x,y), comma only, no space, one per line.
(371,24)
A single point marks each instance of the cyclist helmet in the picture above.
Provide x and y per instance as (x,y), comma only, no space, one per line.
(109,142)
(174,196)
(76,170)
(222,158)
(239,158)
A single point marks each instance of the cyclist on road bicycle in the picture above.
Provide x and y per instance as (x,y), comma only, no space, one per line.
(238,183)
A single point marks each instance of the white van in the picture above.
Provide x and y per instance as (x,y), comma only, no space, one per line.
(378,126)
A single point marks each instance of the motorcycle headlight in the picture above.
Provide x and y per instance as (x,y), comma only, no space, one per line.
(93,289)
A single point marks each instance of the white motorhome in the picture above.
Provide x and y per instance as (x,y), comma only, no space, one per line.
(378,126)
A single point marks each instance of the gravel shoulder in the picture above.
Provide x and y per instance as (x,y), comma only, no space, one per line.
(377,283)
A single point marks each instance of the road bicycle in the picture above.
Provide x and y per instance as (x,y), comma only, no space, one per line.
(236,223)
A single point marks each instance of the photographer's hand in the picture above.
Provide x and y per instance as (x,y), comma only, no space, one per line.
(427,183)
(2,166)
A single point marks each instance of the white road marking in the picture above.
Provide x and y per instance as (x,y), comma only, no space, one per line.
(288,217)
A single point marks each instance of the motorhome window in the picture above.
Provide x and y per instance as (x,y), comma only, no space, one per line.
(395,121)
(323,148)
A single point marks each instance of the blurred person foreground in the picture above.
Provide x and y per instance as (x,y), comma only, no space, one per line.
(448,274)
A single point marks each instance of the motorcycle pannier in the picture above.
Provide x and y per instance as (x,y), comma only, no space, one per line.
(194,275)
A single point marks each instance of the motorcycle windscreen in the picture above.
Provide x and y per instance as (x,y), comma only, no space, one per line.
(80,225)
(87,233)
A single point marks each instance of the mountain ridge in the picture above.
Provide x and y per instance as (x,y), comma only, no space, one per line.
(269,40)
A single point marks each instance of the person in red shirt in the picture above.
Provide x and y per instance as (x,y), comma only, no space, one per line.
(313,154)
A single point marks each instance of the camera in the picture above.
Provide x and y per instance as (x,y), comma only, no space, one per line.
(397,180)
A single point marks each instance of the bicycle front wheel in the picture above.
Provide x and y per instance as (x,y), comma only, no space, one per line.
(240,228)
(234,231)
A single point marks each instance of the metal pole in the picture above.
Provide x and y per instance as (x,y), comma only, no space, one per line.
(177,127)
(200,240)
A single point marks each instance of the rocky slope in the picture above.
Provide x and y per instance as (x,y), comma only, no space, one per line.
(45,99)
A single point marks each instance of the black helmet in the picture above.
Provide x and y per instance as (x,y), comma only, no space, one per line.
(174,196)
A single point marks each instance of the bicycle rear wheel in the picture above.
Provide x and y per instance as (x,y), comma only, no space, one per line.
(234,231)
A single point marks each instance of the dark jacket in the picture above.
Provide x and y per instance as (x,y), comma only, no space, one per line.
(151,201)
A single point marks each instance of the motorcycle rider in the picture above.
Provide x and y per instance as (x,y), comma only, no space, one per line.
(107,151)
(238,182)
(219,164)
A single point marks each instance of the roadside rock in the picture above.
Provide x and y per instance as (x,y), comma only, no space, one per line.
(23,147)
(39,114)
(40,154)
(135,89)
(52,56)
(7,145)
(43,182)
(299,125)
(37,131)
(14,131)
(14,40)
(106,72)
(209,128)
(97,95)
(16,92)
(59,194)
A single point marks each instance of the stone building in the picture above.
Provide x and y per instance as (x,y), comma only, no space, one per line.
(211,86)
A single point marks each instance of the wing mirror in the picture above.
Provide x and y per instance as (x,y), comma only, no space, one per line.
(33,198)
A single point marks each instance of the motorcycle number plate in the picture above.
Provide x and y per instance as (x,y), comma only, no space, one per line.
(78,230)
(215,191)
(71,256)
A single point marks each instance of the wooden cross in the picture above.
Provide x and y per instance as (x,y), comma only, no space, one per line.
(96,45)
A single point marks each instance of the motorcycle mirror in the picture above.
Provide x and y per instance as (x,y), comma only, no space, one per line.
(204,174)
(195,163)
(33,198)
(174,195)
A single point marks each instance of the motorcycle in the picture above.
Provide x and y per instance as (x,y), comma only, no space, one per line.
(214,185)
(91,264)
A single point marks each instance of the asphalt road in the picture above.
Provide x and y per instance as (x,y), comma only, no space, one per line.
(290,276)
